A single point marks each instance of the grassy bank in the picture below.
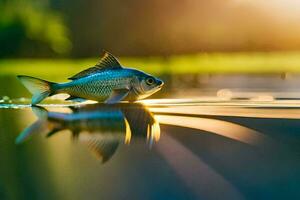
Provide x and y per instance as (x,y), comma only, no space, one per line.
(274,62)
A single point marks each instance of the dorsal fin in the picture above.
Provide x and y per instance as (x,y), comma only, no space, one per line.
(107,61)
(103,148)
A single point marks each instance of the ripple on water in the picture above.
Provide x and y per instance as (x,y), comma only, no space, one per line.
(19,103)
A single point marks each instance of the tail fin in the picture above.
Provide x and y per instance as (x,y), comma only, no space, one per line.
(41,126)
(37,127)
(38,87)
(40,112)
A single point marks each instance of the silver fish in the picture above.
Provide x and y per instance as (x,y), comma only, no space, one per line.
(107,82)
(100,127)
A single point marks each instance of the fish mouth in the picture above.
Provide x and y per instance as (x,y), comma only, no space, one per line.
(160,84)
(158,88)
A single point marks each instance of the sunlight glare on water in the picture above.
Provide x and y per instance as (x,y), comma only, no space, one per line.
(200,142)
(226,129)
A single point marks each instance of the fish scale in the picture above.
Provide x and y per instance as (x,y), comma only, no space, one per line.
(96,87)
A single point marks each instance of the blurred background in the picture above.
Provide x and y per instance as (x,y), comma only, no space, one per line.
(213,44)
(52,28)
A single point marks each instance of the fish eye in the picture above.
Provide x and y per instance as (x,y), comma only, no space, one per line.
(149,81)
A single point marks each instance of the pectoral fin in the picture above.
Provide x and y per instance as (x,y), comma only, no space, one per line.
(117,95)
(75,99)
(52,132)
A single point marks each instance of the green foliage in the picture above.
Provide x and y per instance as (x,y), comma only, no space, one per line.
(28,26)
(226,63)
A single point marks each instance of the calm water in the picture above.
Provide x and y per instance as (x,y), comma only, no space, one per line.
(210,141)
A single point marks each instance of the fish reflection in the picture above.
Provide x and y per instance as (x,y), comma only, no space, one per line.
(101,127)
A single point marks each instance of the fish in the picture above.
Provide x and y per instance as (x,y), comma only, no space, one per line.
(100,127)
(108,81)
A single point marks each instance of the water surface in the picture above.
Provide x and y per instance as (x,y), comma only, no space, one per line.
(219,142)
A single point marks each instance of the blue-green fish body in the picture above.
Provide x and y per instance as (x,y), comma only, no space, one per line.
(101,120)
(99,86)
(101,127)
(106,82)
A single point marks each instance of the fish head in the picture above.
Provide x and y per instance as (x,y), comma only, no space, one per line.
(146,85)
